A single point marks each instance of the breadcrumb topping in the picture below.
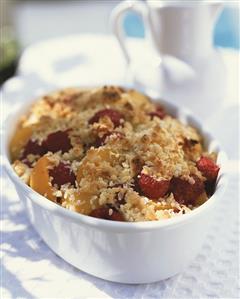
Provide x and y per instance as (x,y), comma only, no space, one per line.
(117,160)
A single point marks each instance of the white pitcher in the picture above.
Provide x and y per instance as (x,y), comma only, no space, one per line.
(183,65)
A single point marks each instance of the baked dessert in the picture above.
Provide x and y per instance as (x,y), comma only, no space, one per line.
(113,154)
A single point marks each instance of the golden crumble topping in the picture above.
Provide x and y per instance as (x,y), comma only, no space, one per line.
(112,153)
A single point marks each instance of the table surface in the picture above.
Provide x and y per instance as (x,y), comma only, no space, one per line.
(31,270)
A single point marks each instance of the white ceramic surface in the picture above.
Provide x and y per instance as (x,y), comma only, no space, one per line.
(183,66)
(123,252)
(176,28)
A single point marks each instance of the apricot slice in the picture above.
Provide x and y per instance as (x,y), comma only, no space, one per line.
(20,138)
(40,180)
(138,98)
(93,159)
(84,206)
(80,201)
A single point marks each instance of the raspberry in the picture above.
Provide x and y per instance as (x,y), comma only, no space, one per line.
(209,187)
(33,147)
(159,112)
(151,187)
(102,140)
(98,142)
(116,216)
(103,213)
(208,168)
(184,192)
(62,174)
(26,162)
(57,141)
(114,115)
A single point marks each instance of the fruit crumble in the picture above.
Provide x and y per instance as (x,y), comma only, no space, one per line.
(113,154)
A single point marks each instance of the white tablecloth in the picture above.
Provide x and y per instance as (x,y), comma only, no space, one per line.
(31,270)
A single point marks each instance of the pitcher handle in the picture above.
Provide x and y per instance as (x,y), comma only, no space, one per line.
(116,22)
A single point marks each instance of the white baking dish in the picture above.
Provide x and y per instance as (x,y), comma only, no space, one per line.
(124,252)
